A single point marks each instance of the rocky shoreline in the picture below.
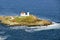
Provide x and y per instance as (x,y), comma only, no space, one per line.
(24,21)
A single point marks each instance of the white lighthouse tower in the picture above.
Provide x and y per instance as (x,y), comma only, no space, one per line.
(27,13)
(24,14)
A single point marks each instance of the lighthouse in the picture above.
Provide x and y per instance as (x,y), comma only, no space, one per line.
(24,14)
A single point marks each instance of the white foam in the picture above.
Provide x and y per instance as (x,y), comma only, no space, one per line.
(38,28)
(3,37)
(53,26)
(18,27)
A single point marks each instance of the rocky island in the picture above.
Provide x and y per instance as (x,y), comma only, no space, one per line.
(23,20)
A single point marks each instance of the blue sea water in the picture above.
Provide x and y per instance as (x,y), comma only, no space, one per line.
(46,9)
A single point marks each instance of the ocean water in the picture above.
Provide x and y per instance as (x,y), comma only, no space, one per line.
(45,9)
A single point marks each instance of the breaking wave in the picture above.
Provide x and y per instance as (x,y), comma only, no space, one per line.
(3,37)
(38,28)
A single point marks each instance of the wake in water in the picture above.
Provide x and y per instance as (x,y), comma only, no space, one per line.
(38,28)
